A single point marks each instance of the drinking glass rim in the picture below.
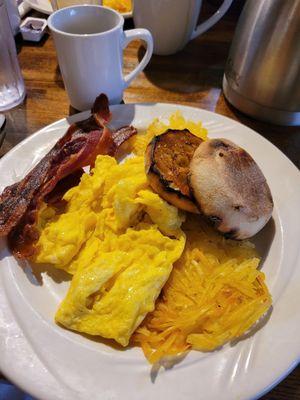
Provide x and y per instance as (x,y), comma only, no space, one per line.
(61,32)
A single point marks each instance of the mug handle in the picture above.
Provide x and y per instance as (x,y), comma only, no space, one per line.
(212,20)
(134,34)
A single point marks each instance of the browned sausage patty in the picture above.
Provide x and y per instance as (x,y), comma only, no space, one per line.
(167,159)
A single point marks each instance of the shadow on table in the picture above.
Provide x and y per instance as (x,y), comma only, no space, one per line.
(23,43)
(58,78)
(198,67)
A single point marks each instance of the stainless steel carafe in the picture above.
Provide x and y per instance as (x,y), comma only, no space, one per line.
(262,74)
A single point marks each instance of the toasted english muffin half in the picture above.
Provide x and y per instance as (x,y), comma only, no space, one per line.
(230,189)
(167,161)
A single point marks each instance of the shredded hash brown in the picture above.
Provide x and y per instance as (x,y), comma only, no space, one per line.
(214,294)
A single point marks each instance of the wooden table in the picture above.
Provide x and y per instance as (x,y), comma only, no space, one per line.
(192,77)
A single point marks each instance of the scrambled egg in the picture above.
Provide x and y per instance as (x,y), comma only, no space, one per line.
(62,239)
(119,240)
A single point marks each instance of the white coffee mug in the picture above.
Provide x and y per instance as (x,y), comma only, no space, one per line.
(89,42)
(173,23)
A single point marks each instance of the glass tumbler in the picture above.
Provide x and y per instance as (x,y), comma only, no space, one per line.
(12,89)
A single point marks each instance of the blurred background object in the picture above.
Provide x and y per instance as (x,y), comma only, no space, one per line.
(33,29)
(173,23)
(57,4)
(13,15)
(123,6)
(262,74)
(12,89)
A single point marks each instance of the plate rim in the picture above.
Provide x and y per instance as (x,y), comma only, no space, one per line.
(82,115)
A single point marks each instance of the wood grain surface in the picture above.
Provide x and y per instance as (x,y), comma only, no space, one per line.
(192,77)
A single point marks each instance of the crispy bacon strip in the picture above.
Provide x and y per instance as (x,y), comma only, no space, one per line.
(55,197)
(79,147)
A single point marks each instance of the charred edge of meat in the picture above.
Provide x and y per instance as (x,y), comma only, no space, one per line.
(153,165)
(155,170)
(216,221)
(166,184)
(232,234)
(219,143)
(158,180)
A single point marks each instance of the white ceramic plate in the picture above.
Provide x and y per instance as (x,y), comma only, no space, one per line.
(52,363)
(45,7)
